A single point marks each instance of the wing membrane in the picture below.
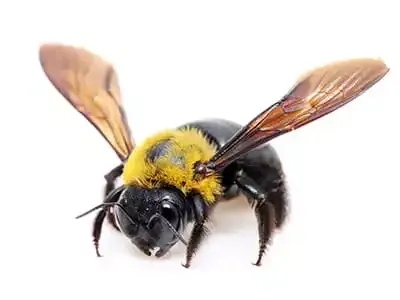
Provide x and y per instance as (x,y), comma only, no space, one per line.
(315,95)
(91,86)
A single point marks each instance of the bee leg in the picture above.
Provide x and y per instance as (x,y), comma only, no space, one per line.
(199,231)
(99,220)
(96,232)
(102,214)
(198,234)
(110,178)
(265,214)
(264,211)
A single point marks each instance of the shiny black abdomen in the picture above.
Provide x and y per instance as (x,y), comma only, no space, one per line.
(261,164)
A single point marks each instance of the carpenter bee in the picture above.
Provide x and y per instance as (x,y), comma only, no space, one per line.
(177,176)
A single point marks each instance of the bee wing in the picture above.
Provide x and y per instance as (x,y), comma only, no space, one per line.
(315,95)
(91,86)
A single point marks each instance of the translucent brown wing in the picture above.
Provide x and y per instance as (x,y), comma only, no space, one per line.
(315,95)
(90,84)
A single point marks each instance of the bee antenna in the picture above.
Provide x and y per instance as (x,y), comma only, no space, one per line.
(125,213)
(169,225)
(105,204)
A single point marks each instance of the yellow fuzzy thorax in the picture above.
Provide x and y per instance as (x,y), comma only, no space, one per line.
(189,144)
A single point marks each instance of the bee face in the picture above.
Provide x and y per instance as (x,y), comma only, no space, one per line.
(151,218)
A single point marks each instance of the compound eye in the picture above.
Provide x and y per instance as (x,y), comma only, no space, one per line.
(169,212)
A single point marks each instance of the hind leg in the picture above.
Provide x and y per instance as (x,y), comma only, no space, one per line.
(267,195)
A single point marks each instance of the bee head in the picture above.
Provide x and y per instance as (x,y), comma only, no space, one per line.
(153,219)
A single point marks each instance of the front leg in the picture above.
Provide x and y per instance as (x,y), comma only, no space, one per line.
(264,211)
(199,232)
(98,223)
(110,178)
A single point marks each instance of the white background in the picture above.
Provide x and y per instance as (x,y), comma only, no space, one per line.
(227,59)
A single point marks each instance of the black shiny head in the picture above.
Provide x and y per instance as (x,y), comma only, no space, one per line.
(152,219)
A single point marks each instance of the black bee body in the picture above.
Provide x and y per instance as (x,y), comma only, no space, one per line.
(257,174)
(176,177)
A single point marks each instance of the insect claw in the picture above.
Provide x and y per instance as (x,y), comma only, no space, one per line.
(257,264)
(96,245)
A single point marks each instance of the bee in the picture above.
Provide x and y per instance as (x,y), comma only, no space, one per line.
(177,176)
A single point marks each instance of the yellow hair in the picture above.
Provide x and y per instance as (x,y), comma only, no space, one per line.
(189,144)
